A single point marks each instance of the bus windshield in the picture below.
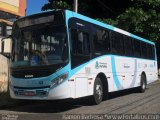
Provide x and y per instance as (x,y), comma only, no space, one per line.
(39,45)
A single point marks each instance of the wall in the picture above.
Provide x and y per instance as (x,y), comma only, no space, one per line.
(11,9)
(16,7)
(3,74)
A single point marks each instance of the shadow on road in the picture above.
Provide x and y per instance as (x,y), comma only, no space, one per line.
(45,106)
(121,93)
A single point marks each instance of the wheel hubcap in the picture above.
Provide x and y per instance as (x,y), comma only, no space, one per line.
(99,91)
(143,86)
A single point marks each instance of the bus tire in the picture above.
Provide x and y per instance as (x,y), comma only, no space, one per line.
(98,92)
(143,83)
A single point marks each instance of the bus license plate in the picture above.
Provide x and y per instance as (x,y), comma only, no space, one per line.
(29,93)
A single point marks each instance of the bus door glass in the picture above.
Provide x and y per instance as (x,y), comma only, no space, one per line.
(80,44)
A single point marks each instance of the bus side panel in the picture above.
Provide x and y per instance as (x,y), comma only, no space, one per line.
(121,73)
(151,71)
(125,72)
(83,79)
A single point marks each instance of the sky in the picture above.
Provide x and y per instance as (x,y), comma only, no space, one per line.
(34,6)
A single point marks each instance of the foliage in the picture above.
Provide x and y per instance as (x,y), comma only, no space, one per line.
(143,19)
(65,4)
(56,4)
(108,21)
(150,3)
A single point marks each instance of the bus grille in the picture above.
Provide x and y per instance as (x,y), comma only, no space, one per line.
(31,92)
(34,73)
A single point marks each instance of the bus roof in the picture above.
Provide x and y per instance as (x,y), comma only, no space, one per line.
(73,14)
(70,14)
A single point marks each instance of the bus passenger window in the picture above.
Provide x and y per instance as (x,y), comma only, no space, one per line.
(80,47)
(80,42)
(143,50)
(151,52)
(128,46)
(137,48)
(74,37)
(83,43)
(117,43)
(101,41)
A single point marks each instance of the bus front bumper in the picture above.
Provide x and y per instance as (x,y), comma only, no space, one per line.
(60,92)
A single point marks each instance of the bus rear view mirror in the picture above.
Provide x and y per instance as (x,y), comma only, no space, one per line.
(6,46)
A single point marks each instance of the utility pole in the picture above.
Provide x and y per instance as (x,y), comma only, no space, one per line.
(75,6)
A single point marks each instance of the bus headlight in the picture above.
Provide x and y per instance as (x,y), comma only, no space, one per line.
(59,80)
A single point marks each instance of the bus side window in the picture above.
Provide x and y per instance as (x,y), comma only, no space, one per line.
(151,52)
(128,46)
(101,41)
(80,42)
(143,50)
(83,43)
(137,48)
(80,47)
(74,37)
(117,43)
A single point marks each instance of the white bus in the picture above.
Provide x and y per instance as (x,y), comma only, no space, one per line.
(62,54)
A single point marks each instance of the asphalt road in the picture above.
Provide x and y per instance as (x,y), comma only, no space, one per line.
(125,102)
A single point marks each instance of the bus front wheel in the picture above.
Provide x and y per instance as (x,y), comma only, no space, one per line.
(98,92)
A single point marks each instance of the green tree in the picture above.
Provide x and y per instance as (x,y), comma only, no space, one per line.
(65,4)
(56,4)
(143,19)
(108,21)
